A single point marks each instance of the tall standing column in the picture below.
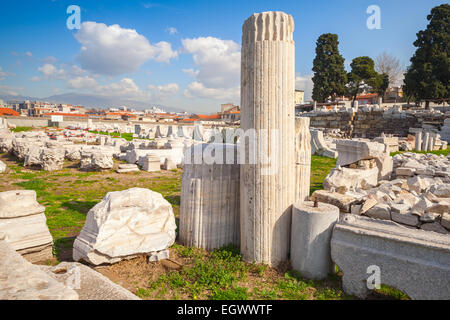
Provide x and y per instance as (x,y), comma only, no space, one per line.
(267,100)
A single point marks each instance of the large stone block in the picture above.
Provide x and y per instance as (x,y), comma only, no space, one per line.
(21,280)
(342,201)
(416,262)
(87,283)
(351,178)
(23,223)
(125,224)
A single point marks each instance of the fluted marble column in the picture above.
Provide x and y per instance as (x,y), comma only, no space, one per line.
(303,158)
(209,209)
(267,101)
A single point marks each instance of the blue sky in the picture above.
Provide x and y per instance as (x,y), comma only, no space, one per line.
(182,54)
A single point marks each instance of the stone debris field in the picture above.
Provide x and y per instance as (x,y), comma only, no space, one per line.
(87,216)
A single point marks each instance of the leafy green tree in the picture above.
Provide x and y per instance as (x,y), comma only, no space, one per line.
(363,74)
(329,72)
(427,78)
(379,83)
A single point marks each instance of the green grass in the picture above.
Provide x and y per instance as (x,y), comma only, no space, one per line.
(126,136)
(320,168)
(223,275)
(22,129)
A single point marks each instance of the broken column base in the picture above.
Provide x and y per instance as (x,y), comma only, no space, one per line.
(310,238)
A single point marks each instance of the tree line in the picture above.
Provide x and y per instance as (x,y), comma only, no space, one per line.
(426,78)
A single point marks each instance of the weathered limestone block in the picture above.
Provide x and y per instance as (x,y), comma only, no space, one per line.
(210,195)
(91,284)
(267,102)
(21,280)
(52,159)
(125,224)
(33,156)
(351,178)
(126,167)
(319,146)
(303,158)
(169,164)
(19,203)
(23,223)
(351,151)
(342,201)
(311,237)
(151,164)
(2,167)
(413,261)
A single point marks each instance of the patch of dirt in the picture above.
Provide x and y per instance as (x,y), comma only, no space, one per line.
(137,273)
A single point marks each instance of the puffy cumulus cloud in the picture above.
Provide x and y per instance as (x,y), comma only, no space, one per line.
(82,82)
(304,83)
(125,89)
(218,67)
(198,90)
(112,50)
(218,61)
(50,72)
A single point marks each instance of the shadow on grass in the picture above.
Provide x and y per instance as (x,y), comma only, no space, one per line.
(63,248)
(79,206)
(174,200)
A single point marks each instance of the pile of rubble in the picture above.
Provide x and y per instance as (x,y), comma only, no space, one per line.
(410,189)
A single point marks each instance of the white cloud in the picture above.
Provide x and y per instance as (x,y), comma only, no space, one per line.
(218,65)
(304,83)
(164,91)
(112,50)
(198,90)
(172,30)
(125,89)
(84,82)
(28,54)
(50,72)
(218,61)
(35,79)
(191,72)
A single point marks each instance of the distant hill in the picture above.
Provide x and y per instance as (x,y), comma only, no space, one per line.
(92,101)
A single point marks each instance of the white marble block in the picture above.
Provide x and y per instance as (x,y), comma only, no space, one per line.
(125,224)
